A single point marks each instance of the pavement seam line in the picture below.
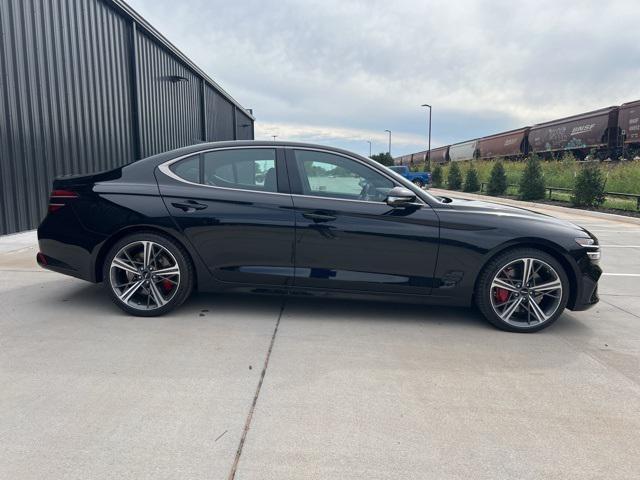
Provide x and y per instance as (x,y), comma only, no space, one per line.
(247,425)
(620,308)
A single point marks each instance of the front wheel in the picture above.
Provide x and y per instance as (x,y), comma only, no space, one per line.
(148,274)
(523,290)
(418,183)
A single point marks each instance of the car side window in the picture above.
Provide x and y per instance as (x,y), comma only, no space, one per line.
(247,169)
(334,176)
(188,169)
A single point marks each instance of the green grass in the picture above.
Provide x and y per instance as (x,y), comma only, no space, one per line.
(610,202)
(620,177)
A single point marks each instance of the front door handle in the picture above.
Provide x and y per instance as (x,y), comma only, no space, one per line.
(189,205)
(319,217)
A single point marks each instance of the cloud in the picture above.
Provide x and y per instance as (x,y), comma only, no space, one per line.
(327,134)
(343,71)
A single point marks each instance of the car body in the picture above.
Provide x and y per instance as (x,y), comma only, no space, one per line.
(421,179)
(279,217)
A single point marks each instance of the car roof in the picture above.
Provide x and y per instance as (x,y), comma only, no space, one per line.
(155,160)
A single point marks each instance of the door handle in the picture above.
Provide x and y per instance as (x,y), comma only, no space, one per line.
(189,205)
(319,217)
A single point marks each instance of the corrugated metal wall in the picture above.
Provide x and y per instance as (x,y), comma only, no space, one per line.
(244,126)
(220,122)
(85,86)
(169,100)
(65,99)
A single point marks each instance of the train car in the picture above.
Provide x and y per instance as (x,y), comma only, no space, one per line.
(403,160)
(629,125)
(419,159)
(579,133)
(459,152)
(511,144)
(439,155)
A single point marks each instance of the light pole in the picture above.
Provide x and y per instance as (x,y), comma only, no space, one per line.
(429,147)
(389,141)
(274,137)
(369,142)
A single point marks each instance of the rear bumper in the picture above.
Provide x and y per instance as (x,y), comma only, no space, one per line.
(49,263)
(65,247)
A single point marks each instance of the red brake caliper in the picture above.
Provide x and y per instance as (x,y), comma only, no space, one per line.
(167,285)
(501,295)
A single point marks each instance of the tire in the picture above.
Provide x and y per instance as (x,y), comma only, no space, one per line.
(511,308)
(418,183)
(136,286)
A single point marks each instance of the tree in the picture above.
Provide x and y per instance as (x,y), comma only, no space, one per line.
(454,178)
(436,176)
(384,158)
(588,190)
(471,181)
(497,181)
(532,186)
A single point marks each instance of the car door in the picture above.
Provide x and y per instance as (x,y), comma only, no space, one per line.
(347,237)
(233,205)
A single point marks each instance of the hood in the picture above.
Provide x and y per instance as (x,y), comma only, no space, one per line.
(497,209)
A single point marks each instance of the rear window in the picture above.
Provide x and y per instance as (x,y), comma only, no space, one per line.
(246,169)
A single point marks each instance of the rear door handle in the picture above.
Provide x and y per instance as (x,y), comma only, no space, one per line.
(319,217)
(189,205)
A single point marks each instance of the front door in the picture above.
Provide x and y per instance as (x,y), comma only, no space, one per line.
(348,238)
(233,205)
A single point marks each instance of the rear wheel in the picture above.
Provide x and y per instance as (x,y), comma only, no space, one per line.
(148,274)
(419,183)
(523,290)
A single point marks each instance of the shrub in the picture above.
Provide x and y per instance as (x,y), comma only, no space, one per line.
(436,176)
(588,190)
(497,181)
(454,178)
(532,185)
(471,182)
(384,158)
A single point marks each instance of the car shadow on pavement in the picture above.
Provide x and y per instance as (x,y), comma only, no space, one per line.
(83,297)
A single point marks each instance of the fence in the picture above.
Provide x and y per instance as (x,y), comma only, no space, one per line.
(550,190)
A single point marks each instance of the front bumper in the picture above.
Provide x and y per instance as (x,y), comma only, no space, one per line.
(587,287)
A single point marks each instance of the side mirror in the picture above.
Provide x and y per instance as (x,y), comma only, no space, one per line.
(400,197)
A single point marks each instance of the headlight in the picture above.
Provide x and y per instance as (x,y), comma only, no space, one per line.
(593,249)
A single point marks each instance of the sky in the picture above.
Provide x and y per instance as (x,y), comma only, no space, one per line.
(338,72)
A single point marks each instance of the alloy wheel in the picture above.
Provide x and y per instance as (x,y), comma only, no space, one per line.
(144,275)
(526,292)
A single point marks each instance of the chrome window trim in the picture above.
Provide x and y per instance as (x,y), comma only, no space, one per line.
(164,168)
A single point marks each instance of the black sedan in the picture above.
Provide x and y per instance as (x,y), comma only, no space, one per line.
(301,219)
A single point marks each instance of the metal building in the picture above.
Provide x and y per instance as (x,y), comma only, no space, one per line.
(89,85)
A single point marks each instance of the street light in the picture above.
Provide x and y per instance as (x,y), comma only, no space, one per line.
(369,142)
(429,147)
(274,137)
(389,141)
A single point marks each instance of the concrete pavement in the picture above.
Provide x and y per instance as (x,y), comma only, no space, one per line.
(350,389)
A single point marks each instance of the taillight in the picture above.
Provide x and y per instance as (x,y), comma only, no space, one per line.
(59,199)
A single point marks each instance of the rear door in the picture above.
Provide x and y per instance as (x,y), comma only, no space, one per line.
(348,238)
(233,205)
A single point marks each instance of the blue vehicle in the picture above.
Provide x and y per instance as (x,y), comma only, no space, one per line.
(420,179)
